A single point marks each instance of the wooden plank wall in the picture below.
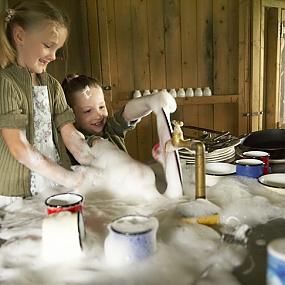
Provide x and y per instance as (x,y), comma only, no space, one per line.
(157,44)
(272,87)
(79,53)
(172,44)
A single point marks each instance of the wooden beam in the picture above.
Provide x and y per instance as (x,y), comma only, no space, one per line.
(256,102)
(244,63)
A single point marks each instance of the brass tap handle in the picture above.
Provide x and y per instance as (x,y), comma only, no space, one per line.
(177,126)
(178,137)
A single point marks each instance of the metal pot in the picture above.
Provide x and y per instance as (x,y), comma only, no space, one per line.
(271,141)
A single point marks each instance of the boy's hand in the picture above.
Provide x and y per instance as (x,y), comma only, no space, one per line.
(163,100)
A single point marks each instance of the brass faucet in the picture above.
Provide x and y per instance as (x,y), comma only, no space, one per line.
(178,140)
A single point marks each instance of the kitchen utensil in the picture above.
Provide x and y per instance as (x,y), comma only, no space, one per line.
(271,141)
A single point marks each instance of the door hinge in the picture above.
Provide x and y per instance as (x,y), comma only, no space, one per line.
(107,87)
(249,114)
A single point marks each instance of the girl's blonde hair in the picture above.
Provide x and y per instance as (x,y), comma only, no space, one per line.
(26,14)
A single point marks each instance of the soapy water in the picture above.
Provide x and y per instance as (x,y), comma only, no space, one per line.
(186,254)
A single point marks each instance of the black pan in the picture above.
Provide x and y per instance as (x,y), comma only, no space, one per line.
(271,141)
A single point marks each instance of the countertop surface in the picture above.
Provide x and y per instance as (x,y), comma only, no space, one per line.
(253,268)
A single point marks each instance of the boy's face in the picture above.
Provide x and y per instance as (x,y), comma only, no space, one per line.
(90,110)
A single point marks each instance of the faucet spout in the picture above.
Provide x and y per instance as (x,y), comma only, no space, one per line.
(178,141)
(200,175)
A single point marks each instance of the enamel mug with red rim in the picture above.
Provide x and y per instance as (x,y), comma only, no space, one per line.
(71,202)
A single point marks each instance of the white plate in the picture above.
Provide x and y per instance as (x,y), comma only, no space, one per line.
(275,180)
(208,155)
(220,168)
(215,152)
(219,159)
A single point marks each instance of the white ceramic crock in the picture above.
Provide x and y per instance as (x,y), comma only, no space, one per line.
(131,238)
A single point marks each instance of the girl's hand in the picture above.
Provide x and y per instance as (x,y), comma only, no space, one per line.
(85,178)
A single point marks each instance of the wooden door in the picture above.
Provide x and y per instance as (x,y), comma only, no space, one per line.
(271,67)
(282,73)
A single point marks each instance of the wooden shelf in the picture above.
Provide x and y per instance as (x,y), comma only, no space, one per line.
(214,99)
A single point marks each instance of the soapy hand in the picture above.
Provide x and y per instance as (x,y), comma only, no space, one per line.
(86,177)
(163,100)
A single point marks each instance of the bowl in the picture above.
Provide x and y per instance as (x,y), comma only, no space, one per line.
(215,171)
(274,182)
(249,167)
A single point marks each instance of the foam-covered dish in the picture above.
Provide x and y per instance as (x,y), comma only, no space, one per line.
(274,182)
(215,171)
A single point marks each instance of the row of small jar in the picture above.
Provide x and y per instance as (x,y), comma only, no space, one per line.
(181,92)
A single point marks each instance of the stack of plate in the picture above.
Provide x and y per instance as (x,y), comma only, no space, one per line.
(219,155)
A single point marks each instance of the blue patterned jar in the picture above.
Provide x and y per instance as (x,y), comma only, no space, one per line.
(131,238)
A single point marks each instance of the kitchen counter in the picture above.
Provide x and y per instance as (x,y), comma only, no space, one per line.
(169,260)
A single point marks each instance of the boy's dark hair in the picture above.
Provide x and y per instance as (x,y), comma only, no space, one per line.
(73,83)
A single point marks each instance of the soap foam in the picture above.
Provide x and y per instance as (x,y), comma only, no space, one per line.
(185,253)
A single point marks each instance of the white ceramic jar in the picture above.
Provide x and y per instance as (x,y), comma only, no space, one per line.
(189,92)
(198,92)
(181,92)
(137,94)
(146,92)
(207,91)
(173,92)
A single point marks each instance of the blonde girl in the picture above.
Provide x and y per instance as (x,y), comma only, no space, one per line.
(36,124)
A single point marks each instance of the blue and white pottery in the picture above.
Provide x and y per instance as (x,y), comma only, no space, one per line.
(249,167)
(131,239)
(276,262)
